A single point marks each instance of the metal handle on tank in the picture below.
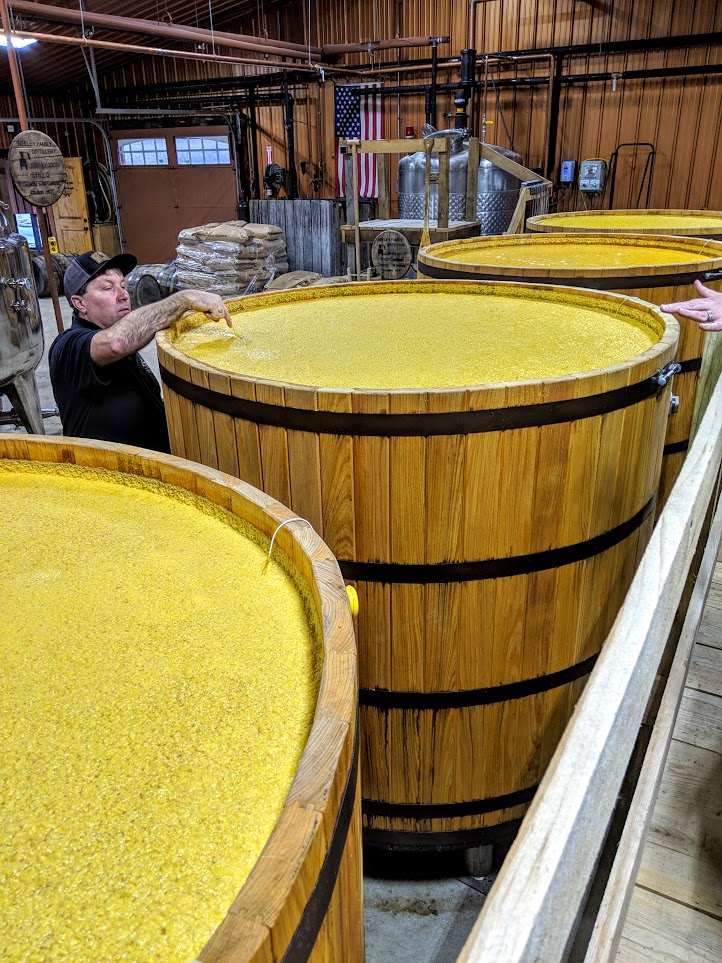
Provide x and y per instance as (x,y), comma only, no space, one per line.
(15,283)
(19,304)
(673,404)
(661,377)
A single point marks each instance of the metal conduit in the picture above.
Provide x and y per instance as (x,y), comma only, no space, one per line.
(186,95)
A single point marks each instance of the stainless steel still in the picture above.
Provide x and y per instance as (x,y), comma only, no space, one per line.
(21,328)
(497,191)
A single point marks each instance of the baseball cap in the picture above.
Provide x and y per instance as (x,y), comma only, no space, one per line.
(86,266)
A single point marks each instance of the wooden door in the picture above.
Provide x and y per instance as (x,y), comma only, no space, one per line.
(158,200)
(72,223)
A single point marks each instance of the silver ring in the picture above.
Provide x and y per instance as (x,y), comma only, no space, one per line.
(710,317)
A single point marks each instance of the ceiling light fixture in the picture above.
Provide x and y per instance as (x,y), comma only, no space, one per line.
(17,42)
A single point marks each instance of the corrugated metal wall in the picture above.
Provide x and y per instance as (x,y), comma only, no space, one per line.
(678,114)
(69,136)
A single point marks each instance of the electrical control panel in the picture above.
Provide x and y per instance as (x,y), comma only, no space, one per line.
(567,172)
(592,175)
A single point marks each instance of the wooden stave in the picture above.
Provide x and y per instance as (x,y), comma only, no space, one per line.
(367,596)
(544,223)
(263,927)
(623,281)
(188,425)
(479,728)
(256,436)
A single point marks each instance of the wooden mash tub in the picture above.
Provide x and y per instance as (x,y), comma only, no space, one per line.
(303,898)
(656,283)
(478,624)
(644,223)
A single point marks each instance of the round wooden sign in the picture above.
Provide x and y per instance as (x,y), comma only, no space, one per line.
(391,255)
(37,167)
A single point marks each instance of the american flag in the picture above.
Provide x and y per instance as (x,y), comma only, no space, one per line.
(358,115)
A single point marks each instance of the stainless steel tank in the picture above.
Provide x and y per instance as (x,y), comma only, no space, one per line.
(21,328)
(497,191)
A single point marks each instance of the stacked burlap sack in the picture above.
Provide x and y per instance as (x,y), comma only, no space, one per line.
(226,258)
(304,279)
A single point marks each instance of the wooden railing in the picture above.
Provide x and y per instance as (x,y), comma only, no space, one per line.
(535,908)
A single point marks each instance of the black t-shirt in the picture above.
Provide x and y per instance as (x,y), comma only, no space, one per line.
(118,402)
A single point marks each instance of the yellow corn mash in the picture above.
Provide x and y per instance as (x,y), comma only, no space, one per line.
(581,251)
(644,220)
(157,693)
(417,340)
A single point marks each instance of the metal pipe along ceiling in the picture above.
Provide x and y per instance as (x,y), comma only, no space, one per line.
(159,51)
(330,49)
(279,48)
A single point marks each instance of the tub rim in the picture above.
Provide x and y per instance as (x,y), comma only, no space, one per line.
(323,793)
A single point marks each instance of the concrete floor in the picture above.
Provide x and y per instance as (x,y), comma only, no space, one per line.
(417,910)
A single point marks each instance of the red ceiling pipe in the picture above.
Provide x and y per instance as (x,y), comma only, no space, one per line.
(333,49)
(279,48)
(157,51)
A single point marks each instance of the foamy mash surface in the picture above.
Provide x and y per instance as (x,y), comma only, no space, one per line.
(157,693)
(417,340)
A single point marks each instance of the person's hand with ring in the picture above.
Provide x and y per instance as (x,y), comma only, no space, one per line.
(705,310)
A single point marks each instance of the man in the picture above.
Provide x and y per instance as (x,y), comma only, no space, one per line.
(102,386)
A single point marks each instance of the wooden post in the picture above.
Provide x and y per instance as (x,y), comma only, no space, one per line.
(384,187)
(442,191)
(516,224)
(357,229)
(472,179)
(510,166)
(24,125)
(425,239)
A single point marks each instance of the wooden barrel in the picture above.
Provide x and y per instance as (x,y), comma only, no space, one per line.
(303,897)
(40,276)
(142,286)
(594,256)
(165,274)
(61,263)
(491,532)
(148,283)
(676,223)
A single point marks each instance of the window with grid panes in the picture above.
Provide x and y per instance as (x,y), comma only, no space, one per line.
(208,149)
(143,152)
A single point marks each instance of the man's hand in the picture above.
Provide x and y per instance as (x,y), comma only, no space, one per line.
(137,329)
(210,304)
(705,310)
